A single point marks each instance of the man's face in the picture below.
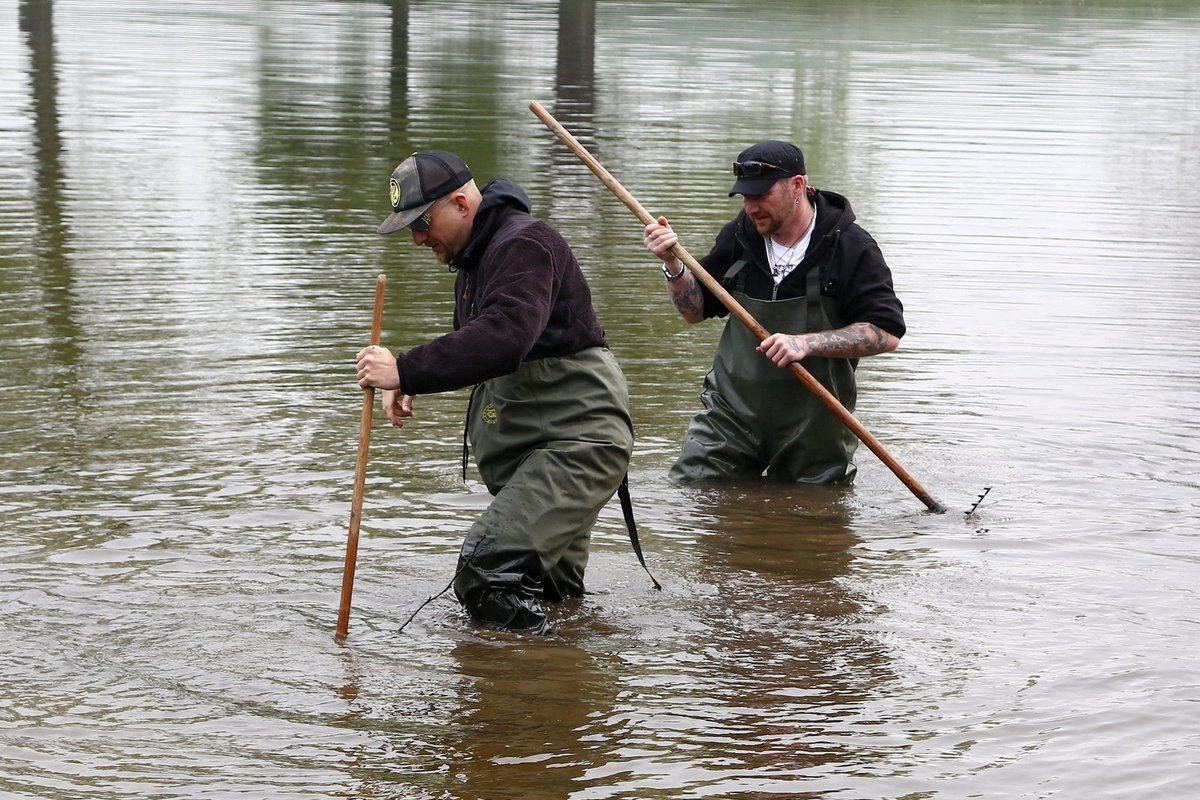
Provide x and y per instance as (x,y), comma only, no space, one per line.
(443,233)
(770,210)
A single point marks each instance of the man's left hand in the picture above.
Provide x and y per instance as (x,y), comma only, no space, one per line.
(784,348)
(377,367)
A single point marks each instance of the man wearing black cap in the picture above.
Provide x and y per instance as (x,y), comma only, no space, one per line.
(548,419)
(800,265)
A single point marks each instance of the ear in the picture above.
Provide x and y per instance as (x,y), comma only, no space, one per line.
(794,188)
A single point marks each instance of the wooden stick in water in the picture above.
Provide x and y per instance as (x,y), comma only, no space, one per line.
(360,473)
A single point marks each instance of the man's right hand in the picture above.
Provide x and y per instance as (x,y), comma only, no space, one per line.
(397,406)
(661,240)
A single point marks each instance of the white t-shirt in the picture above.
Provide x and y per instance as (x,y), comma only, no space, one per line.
(783,260)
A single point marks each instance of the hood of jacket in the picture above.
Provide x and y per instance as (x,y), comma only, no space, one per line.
(501,197)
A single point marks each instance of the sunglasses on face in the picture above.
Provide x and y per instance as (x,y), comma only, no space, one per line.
(422,223)
(751,169)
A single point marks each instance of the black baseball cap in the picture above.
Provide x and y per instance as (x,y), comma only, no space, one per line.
(418,182)
(760,165)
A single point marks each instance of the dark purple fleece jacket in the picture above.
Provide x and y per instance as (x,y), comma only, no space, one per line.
(520,295)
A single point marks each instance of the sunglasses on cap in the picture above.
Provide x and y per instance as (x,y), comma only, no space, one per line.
(752,169)
(425,221)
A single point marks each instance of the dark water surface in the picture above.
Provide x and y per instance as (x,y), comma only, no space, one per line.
(188,194)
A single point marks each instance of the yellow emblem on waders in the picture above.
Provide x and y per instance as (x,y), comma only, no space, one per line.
(490,414)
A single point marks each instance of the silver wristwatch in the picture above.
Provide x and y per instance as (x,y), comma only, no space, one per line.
(672,278)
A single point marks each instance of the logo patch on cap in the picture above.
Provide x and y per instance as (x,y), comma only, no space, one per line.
(394,193)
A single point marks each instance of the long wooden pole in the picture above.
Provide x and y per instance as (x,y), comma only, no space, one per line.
(736,308)
(360,473)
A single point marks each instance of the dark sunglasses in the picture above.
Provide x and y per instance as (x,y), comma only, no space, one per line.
(752,169)
(425,221)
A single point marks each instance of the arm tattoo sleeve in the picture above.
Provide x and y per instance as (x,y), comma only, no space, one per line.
(853,341)
(688,300)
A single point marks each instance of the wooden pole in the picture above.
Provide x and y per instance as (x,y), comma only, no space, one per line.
(736,308)
(360,473)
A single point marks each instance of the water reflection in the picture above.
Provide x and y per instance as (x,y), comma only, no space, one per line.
(480,716)
(397,117)
(526,724)
(773,661)
(575,75)
(51,246)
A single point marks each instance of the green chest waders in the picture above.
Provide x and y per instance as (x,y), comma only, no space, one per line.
(758,418)
(552,442)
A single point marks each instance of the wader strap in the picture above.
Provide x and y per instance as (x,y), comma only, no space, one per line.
(467,429)
(734,279)
(627,510)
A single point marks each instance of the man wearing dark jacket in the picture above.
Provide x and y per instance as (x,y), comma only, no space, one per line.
(548,420)
(800,265)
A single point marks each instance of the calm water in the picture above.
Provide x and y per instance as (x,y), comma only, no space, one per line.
(188,194)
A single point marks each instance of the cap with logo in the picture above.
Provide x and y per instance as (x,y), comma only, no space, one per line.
(759,166)
(418,182)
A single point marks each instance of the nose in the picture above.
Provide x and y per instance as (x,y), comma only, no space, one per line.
(419,237)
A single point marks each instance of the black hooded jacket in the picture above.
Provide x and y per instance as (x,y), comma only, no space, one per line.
(853,273)
(520,295)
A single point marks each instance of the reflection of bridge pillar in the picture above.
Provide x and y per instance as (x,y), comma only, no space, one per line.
(398,83)
(576,195)
(398,147)
(38,25)
(50,252)
(575,80)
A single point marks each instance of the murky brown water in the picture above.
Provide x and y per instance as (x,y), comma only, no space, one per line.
(188,194)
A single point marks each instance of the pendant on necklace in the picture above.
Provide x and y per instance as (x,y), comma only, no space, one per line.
(778,263)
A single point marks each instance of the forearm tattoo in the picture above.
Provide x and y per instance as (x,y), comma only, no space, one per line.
(687,299)
(858,340)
